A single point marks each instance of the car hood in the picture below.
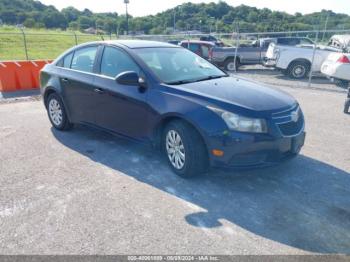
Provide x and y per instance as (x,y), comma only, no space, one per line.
(242,93)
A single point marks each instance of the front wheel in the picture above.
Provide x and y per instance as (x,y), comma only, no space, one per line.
(57,113)
(298,69)
(184,149)
(232,65)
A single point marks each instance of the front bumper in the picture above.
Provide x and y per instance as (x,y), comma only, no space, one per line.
(248,150)
(284,140)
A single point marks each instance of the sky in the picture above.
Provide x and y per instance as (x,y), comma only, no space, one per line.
(147,7)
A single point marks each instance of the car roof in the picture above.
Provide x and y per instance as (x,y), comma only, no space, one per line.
(197,42)
(139,43)
(132,44)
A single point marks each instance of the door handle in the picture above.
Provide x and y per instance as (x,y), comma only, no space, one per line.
(65,80)
(99,91)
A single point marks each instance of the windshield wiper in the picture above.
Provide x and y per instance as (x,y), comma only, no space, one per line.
(179,82)
(210,78)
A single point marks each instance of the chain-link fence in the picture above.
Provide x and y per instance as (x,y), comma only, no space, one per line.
(249,56)
(33,46)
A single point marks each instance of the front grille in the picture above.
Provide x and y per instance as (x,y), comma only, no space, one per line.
(287,123)
(292,128)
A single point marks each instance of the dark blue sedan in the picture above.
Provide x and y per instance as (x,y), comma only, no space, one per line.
(179,102)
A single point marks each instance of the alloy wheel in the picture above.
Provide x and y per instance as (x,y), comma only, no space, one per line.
(175,149)
(299,71)
(231,66)
(55,112)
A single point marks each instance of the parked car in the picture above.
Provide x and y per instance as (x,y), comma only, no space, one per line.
(337,67)
(174,42)
(210,38)
(250,54)
(172,98)
(295,61)
(201,48)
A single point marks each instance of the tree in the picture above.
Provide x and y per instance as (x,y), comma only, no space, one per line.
(85,22)
(54,20)
(74,25)
(8,16)
(70,14)
(29,22)
(218,15)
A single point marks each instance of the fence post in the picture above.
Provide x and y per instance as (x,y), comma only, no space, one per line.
(237,46)
(75,38)
(313,59)
(25,43)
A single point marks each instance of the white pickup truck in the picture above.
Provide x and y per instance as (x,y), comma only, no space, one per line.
(295,61)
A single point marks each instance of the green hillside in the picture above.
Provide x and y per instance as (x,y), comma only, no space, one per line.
(213,16)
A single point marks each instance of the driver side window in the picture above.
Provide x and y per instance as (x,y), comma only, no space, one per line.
(115,61)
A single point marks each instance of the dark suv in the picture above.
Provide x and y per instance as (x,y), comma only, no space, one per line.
(174,99)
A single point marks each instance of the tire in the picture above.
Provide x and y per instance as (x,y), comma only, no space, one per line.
(57,113)
(195,158)
(342,83)
(347,106)
(298,69)
(230,65)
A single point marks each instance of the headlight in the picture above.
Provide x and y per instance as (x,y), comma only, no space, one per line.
(240,123)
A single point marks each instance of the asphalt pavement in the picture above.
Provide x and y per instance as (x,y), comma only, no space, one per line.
(88,192)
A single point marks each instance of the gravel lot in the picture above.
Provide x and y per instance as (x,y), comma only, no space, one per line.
(87,192)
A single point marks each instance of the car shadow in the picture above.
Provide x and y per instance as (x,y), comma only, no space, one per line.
(304,203)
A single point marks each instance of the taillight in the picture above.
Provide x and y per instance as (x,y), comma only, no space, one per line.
(343,60)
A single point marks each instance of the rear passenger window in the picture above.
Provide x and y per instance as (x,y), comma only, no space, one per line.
(84,58)
(67,60)
(115,61)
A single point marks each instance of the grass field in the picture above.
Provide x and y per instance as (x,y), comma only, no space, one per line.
(41,44)
(48,44)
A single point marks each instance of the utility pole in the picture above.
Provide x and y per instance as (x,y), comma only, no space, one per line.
(325,27)
(126,2)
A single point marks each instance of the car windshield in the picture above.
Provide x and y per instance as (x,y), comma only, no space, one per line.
(178,65)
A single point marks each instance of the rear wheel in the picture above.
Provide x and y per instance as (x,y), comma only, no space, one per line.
(57,113)
(232,65)
(298,69)
(184,149)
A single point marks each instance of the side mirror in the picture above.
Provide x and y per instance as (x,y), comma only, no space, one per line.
(128,78)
